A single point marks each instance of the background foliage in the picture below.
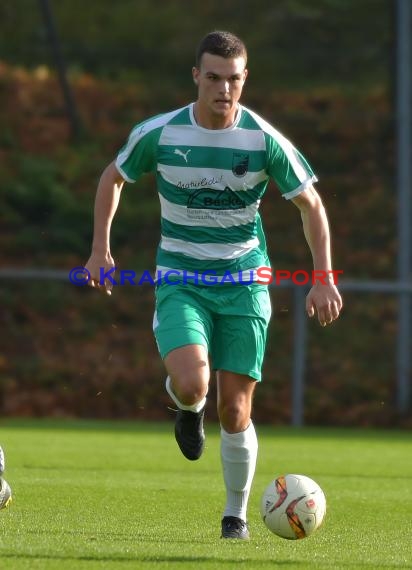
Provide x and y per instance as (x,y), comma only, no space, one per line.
(320,71)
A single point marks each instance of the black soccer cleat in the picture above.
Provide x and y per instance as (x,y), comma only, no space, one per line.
(189,433)
(233,527)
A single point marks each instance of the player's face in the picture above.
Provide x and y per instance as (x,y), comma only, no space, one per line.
(220,82)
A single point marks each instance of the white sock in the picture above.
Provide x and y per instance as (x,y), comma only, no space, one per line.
(238,454)
(193,408)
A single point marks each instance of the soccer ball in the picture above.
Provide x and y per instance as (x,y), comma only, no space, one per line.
(293,506)
(5,494)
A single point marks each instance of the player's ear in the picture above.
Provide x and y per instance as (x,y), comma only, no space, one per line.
(195,75)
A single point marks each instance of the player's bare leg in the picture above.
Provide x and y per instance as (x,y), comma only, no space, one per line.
(234,400)
(187,384)
(188,369)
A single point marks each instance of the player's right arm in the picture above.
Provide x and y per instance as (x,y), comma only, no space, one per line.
(105,206)
(139,155)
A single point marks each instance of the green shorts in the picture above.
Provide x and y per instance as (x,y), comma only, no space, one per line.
(230,321)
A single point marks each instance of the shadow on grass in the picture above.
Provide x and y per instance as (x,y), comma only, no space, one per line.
(142,426)
(186,560)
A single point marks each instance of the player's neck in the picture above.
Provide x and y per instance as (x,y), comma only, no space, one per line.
(208,120)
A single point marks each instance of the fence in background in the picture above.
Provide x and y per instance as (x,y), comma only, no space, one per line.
(403,344)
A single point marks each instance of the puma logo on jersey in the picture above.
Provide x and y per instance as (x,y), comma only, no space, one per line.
(182,154)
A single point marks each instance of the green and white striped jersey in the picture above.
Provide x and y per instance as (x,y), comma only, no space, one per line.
(210,184)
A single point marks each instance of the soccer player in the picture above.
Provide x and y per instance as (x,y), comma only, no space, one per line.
(5,490)
(212,160)
(2,461)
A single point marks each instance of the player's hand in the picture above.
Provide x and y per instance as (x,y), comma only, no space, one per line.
(325,300)
(98,266)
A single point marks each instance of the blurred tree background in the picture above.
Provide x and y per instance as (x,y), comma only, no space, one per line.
(319,70)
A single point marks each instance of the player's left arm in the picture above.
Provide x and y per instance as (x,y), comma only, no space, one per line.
(324,297)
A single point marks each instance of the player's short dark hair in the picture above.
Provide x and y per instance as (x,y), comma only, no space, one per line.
(224,44)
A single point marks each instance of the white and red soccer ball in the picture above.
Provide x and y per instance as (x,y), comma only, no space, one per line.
(293,506)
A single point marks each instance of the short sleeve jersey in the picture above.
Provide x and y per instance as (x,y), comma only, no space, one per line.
(210,185)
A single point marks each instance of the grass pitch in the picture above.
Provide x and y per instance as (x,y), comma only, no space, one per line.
(119,496)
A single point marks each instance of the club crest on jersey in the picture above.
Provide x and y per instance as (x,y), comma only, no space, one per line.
(240,164)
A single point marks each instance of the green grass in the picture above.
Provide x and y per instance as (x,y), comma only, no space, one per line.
(105,495)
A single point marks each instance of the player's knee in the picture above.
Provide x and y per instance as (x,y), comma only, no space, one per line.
(189,392)
(234,416)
